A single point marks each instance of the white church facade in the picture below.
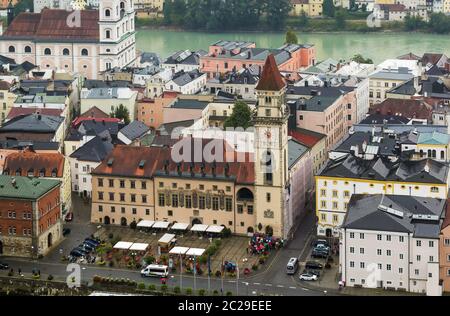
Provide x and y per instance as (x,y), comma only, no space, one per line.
(86,42)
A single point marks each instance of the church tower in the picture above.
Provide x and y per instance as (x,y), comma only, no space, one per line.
(271,150)
(117,34)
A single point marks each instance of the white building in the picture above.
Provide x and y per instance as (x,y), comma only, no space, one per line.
(392,242)
(190,82)
(86,42)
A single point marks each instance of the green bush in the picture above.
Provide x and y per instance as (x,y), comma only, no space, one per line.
(111,236)
(215,293)
(201,292)
(149,260)
(188,291)
(50,277)
(177,290)
(141,286)
(254,267)
(229,293)
(218,243)
(226,232)
(164,288)
(152,287)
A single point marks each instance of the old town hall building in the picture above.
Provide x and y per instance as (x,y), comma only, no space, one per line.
(245,195)
(86,41)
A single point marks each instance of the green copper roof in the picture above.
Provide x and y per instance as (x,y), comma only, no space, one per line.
(24,187)
(434,138)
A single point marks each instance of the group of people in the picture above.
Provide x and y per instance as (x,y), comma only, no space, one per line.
(261,244)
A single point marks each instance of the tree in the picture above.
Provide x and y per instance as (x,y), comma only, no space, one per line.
(291,37)
(121,113)
(413,23)
(241,116)
(277,12)
(439,23)
(328,8)
(303,21)
(23,6)
(361,60)
(340,19)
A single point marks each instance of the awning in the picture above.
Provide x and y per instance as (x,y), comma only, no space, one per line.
(139,246)
(166,238)
(124,245)
(145,223)
(161,225)
(195,252)
(179,226)
(179,250)
(214,229)
(199,228)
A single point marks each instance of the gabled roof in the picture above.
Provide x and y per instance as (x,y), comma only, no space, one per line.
(25,188)
(52,24)
(94,150)
(422,217)
(29,162)
(306,137)
(37,123)
(134,130)
(271,78)
(18,111)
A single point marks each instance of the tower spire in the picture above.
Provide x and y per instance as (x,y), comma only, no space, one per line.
(271,79)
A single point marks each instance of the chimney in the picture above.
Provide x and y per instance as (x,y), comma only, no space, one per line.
(179,168)
(166,166)
(227,170)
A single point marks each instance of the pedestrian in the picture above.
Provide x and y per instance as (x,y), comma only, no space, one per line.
(39,272)
(20,271)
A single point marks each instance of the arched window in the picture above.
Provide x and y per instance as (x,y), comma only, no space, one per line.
(442,155)
(66,52)
(108,12)
(84,52)
(11,49)
(108,33)
(47,51)
(27,49)
(434,153)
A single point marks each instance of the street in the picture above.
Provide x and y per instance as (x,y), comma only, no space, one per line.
(271,280)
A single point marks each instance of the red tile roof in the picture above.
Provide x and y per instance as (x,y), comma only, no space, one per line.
(125,160)
(4,85)
(306,137)
(52,24)
(431,58)
(271,79)
(94,112)
(16,111)
(406,107)
(29,161)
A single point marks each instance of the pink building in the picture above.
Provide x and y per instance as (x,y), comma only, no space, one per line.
(224,56)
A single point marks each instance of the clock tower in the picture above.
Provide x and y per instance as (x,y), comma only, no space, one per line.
(271,150)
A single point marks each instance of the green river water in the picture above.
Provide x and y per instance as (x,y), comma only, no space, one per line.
(377,46)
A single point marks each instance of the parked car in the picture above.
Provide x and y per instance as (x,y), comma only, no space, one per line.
(83,251)
(315,272)
(4,266)
(308,277)
(322,247)
(319,254)
(92,241)
(66,231)
(75,253)
(87,247)
(69,217)
(321,242)
(313,265)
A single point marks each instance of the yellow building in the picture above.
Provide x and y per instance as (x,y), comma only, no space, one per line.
(352,175)
(149,5)
(384,1)
(446,6)
(7,99)
(310,7)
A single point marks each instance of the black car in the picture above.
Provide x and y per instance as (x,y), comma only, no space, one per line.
(321,242)
(76,253)
(83,251)
(92,241)
(313,265)
(318,254)
(86,246)
(4,266)
(66,231)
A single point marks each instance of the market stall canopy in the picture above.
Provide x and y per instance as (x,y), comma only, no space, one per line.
(145,223)
(199,228)
(179,250)
(124,245)
(139,246)
(197,252)
(166,238)
(214,229)
(161,225)
(179,226)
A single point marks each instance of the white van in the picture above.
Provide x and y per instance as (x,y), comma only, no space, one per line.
(292,266)
(155,270)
